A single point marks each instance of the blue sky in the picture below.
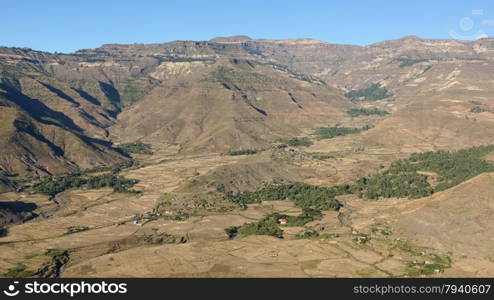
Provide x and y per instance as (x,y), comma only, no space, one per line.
(68,25)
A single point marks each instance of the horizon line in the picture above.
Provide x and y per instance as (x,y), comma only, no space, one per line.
(250,39)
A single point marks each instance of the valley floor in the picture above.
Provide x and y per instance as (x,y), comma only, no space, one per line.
(366,238)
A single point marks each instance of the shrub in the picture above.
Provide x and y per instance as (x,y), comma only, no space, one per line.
(231,231)
(76,229)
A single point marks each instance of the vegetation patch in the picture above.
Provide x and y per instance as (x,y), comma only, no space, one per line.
(270,224)
(54,252)
(231,232)
(478,109)
(157,238)
(243,152)
(332,132)
(136,147)
(53,268)
(433,265)
(155,215)
(135,92)
(297,142)
(112,169)
(240,79)
(406,61)
(402,179)
(19,271)
(57,184)
(173,58)
(361,238)
(76,229)
(381,229)
(321,156)
(372,93)
(266,226)
(307,215)
(303,195)
(297,75)
(356,112)
(309,234)
(401,185)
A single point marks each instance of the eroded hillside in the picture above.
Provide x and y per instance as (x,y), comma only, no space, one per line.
(251,158)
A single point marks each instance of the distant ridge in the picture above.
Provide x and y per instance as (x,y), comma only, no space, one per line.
(231,39)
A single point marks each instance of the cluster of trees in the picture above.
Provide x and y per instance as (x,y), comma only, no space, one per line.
(125,165)
(157,238)
(372,93)
(298,142)
(136,147)
(332,132)
(478,110)
(307,215)
(321,156)
(266,226)
(57,184)
(387,185)
(302,194)
(403,180)
(243,152)
(270,224)
(355,112)
(452,167)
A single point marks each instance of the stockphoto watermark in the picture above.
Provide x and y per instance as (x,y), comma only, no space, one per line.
(70,289)
(473,26)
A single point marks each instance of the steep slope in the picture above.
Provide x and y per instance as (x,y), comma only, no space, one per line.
(236,92)
(438,90)
(458,219)
(230,104)
(45,127)
(33,145)
(435,88)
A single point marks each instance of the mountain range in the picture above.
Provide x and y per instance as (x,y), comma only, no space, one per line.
(197,104)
